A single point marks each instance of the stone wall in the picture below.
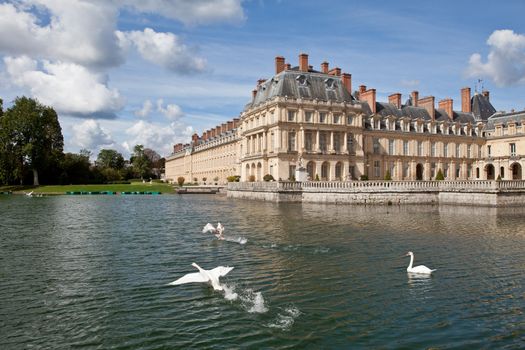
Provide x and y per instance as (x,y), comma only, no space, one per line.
(482,193)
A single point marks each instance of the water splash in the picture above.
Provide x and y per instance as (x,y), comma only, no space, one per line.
(285,319)
(229,292)
(240,240)
(253,302)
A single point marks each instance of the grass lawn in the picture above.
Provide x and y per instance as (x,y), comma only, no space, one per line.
(133,187)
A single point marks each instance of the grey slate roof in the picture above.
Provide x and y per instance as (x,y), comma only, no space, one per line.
(505,118)
(307,85)
(481,107)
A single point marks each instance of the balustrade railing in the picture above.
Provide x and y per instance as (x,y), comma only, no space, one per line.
(377,186)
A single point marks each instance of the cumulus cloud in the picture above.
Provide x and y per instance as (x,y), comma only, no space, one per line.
(158,137)
(145,111)
(191,12)
(505,63)
(82,32)
(68,87)
(163,49)
(171,111)
(90,135)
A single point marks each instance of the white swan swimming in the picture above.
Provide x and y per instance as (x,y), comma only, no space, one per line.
(418,269)
(216,231)
(203,276)
(30,194)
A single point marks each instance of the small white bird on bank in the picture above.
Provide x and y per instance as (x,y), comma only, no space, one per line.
(204,276)
(422,269)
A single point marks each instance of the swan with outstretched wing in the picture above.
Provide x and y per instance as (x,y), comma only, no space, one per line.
(204,276)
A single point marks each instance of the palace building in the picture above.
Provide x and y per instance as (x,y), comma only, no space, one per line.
(312,118)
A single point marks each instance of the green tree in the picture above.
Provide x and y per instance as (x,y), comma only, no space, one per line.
(388,177)
(75,169)
(440,176)
(34,138)
(140,162)
(109,158)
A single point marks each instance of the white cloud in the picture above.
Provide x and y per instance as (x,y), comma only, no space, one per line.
(192,12)
(505,63)
(67,87)
(163,49)
(171,111)
(145,111)
(90,135)
(158,137)
(82,32)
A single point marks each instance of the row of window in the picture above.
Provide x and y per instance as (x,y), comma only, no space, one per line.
(322,117)
(408,125)
(445,150)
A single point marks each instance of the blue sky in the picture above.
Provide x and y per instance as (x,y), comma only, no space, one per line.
(122,72)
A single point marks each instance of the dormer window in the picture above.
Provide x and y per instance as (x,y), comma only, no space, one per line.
(301,80)
(330,83)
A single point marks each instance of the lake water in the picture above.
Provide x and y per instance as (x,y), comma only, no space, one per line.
(92,272)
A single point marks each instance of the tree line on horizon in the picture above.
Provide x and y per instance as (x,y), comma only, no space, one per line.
(32,152)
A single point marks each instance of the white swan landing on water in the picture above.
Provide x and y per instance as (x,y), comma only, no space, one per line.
(422,269)
(216,231)
(203,276)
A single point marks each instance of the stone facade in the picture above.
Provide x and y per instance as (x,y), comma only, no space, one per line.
(313,117)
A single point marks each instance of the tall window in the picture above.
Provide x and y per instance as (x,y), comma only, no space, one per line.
(489,153)
(350,142)
(272,142)
(308,116)
(337,142)
(291,116)
(445,170)
(377,168)
(432,170)
(322,117)
(445,150)
(512,149)
(376,145)
(337,119)
(291,141)
(349,119)
(433,149)
(322,141)
(458,169)
(405,148)
(469,150)
(469,171)
(458,149)
(291,172)
(308,140)
(420,148)
(391,144)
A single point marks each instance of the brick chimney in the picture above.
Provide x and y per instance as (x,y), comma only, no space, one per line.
(324,67)
(465,100)
(230,125)
(279,64)
(287,66)
(415,98)
(362,88)
(236,122)
(347,82)
(195,139)
(428,103)
(335,71)
(303,62)
(204,136)
(368,96)
(254,93)
(224,127)
(447,105)
(486,93)
(395,99)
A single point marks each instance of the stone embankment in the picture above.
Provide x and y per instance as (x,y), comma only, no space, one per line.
(482,192)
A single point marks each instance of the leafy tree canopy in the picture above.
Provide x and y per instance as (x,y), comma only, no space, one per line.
(31,139)
(109,158)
